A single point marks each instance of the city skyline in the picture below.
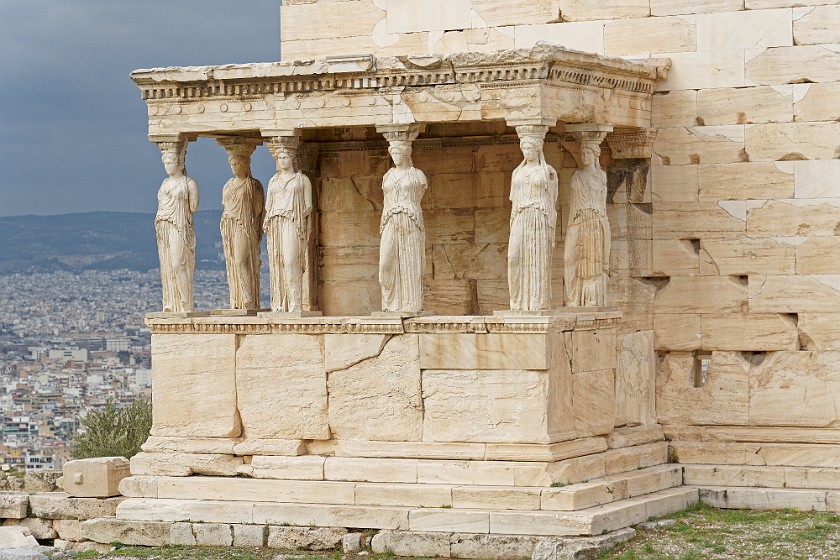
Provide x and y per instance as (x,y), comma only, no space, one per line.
(75,127)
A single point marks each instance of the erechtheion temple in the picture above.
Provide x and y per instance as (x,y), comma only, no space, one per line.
(538,268)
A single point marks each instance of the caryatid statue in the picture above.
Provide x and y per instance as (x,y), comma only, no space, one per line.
(177,201)
(241,225)
(533,223)
(587,249)
(402,245)
(288,210)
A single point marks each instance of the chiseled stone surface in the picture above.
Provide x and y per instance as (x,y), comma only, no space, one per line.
(679,401)
(16,537)
(14,506)
(248,535)
(484,352)
(68,529)
(142,533)
(281,387)
(213,534)
(379,398)
(414,543)
(635,379)
(195,393)
(40,528)
(58,505)
(185,464)
(95,478)
(485,406)
(795,389)
(593,398)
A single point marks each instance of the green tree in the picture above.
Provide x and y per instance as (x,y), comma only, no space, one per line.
(113,431)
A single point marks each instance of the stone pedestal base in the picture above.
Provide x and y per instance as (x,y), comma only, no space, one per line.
(431,382)
(430,423)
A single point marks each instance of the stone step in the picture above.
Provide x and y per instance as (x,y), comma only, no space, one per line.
(600,461)
(757,454)
(814,478)
(592,521)
(567,498)
(770,498)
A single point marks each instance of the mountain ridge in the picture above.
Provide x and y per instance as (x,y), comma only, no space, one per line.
(97,241)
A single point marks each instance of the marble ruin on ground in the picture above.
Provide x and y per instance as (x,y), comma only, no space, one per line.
(517,287)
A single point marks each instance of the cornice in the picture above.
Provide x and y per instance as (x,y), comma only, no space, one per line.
(544,63)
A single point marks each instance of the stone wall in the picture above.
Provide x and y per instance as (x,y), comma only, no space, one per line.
(744,203)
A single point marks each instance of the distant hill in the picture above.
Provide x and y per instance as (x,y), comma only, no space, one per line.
(96,241)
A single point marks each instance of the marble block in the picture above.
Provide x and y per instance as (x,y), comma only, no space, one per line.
(95,478)
(508,406)
(281,387)
(194,390)
(379,398)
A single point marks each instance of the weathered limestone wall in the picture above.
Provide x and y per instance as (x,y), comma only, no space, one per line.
(744,201)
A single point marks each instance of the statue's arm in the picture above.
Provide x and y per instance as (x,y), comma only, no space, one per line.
(421,178)
(192,189)
(269,202)
(307,195)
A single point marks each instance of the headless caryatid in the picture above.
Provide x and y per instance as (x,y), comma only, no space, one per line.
(533,223)
(177,201)
(241,226)
(287,224)
(587,250)
(402,247)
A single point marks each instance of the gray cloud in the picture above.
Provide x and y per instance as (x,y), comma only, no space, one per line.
(72,125)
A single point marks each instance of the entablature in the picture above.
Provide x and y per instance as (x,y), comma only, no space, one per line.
(368,91)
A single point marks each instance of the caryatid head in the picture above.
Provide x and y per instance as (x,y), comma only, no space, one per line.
(400,152)
(590,152)
(172,155)
(285,152)
(239,157)
(532,147)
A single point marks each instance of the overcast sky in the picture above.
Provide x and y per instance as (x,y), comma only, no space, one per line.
(72,124)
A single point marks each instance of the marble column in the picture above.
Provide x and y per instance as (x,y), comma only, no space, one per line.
(533,220)
(177,202)
(288,224)
(243,210)
(586,252)
(402,246)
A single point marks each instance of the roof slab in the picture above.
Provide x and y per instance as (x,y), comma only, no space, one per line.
(545,83)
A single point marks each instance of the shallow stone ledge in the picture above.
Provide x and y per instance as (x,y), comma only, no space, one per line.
(185,464)
(58,505)
(305,538)
(506,547)
(415,543)
(765,499)
(142,533)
